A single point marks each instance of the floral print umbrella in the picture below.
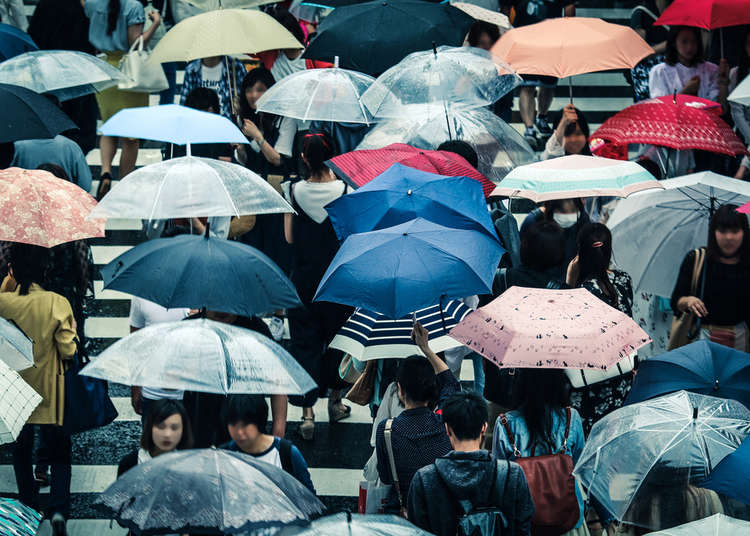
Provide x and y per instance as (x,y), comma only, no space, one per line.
(530,328)
(38,208)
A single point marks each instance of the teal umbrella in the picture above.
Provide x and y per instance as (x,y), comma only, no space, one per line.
(17,519)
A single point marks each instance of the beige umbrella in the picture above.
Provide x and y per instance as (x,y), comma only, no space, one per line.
(486,15)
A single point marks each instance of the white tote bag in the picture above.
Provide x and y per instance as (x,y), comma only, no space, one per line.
(584,378)
(142,75)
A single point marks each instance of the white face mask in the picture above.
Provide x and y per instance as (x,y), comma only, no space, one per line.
(565,220)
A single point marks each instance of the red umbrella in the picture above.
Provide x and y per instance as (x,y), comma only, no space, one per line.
(360,167)
(708,14)
(692,101)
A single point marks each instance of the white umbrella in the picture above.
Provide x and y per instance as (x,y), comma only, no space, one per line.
(716,525)
(190,186)
(483,14)
(17,401)
(741,94)
(67,74)
(204,356)
(653,230)
(16,349)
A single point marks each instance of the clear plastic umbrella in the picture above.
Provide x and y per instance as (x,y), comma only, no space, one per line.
(643,462)
(204,356)
(190,186)
(499,146)
(356,525)
(17,401)
(67,74)
(463,77)
(16,349)
(716,525)
(319,95)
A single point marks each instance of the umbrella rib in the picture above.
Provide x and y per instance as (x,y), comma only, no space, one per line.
(359,100)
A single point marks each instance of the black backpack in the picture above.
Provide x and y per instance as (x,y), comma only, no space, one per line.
(483,520)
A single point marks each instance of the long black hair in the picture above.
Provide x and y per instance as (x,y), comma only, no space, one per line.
(538,394)
(29,264)
(671,56)
(726,218)
(113,13)
(317,149)
(594,256)
(160,411)
(265,122)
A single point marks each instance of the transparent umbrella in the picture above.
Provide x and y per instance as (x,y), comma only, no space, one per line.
(67,74)
(17,401)
(716,525)
(499,146)
(349,524)
(16,349)
(643,462)
(204,356)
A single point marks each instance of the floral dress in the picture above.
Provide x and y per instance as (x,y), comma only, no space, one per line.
(595,401)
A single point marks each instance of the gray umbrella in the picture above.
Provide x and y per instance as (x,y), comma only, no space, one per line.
(348,524)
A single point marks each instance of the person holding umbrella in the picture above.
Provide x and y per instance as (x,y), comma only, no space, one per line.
(219,73)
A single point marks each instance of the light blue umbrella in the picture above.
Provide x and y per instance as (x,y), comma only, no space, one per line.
(16,349)
(174,124)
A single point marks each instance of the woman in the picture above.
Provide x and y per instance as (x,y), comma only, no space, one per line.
(538,426)
(47,319)
(590,269)
(724,284)
(741,113)
(314,243)
(115,26)
(569,214)
(570,137)
(642,20)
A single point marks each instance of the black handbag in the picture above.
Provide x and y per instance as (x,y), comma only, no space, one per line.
(87,402)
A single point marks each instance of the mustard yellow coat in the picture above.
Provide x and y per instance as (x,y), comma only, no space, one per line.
(47,319)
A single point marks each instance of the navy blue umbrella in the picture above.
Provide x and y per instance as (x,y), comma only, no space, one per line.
(14,42)
(197,271)
(410,266)
(401,193)
(701,367)
(732,475)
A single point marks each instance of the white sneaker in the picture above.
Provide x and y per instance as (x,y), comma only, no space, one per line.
(276,326)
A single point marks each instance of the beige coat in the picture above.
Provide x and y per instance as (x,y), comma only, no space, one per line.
(47,319)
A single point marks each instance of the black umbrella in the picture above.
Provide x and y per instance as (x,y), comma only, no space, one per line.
(373,36)
(26,115)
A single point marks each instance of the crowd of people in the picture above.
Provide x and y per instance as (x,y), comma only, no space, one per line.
(445,451)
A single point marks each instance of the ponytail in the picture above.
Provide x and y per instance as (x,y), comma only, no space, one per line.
(317,149)
(113,13)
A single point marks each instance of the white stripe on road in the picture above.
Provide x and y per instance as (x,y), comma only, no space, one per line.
(105,254)
(86,527)
(145,157)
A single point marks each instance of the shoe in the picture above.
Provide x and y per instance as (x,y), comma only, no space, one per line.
(105,183)
(42,477)
(307,428)
(530,135)
(276,327)
(543,126)
(338,411)
(58,525)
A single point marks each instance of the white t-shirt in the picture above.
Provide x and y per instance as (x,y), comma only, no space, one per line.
(271,456)
(283,66)
(665,79)
(211,78)
(145,313)
(287,131)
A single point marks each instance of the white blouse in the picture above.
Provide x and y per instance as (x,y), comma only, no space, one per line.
(665,79)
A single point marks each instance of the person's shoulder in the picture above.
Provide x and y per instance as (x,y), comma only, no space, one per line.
(193,66)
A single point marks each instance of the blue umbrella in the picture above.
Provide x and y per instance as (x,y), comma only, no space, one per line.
(731,475)
(401,193)
(410,266)
(173,123)
(14,42)
(701,367)
(197,271)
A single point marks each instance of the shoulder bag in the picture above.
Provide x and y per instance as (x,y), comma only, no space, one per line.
(392,462)
(142,75)
(87,402)
(685,328)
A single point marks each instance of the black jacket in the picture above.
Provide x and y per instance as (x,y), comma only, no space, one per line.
(436,489)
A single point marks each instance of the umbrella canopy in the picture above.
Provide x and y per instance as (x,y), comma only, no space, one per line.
(174,124)
(716,525)
(14,42)
(569,46)
(652,230)
(639,460)
(356,524)
(741,94)
(17,519)
(319,95)
(229,492)
(190,186)
(529,328)
(483,14)
(357,168)
(17,402)
(16,349)
(199,271)
(690,100)
(67,74)
(370,335)
(221,33)
(29,116)
(499,147)
(732,474)
(575,176)
(671,124)
(41,209)
(708,14)
(393,30)
(465,77)
(402,193)
(701,367)
(411,266)
(204,356)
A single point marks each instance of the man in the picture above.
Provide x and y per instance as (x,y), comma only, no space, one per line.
(64,152)
(468,473)
(214,73)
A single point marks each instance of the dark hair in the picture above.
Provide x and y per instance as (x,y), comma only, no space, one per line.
(203,98)
(743,67)
(650,166)
(671,56)
(417,380)
(461,148)
(113,13)
(7,151)
(465,413)
(160,411)
(594,256)
(263,120)
(725,218)
(317,148)
(538,393)
(290,22)
(247,409)
(543,246)
(550,207)
(571,128)
(56,170)
(478,28)
(29,263)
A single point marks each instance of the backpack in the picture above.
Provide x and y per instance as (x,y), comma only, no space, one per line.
(552,486)
(483,520)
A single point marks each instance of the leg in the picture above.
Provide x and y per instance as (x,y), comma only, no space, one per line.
(307,349)
(278,415)
(41,471)
(60,460)
(128,156)
(544,97)
(108,147)
(28,493)
(527,105)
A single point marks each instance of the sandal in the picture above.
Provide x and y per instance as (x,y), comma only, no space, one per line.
(338,412)
(307,428)
(105,183)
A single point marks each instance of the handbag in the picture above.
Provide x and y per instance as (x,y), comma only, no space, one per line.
(584,378)
(685,328)
(142,75)
(87,402)
(347,371)
(387,433)
(373,496)
(364,388)
(551,483)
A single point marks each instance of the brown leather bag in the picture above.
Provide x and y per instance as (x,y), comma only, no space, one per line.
(552,486)
(686,327)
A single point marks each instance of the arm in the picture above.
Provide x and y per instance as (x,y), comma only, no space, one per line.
(288,223)
(301,472)
(65,334)
(278,412)
(682,301)
(384,469)
(657,86)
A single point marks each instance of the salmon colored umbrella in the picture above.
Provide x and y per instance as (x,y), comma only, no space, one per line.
(708,14)
(38,208)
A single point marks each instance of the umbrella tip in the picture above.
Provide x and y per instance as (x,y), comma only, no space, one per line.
(716,384)
(348,517)
(695,413)
(434,48)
